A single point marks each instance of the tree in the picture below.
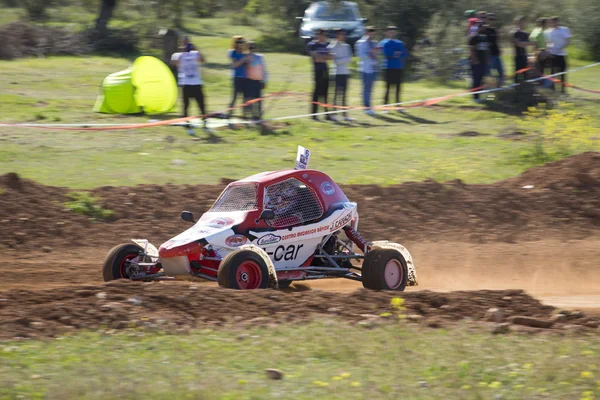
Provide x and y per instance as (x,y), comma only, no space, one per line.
(106,11)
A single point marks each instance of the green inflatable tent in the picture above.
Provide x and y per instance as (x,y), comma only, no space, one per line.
(147,86)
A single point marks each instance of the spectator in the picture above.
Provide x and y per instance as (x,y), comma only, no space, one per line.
(366,48)
(479,45)
(317,49)
(256,73)
(471,20)
(559,38)
(395,53)
(521,41)
(341,52)
(538,37)
(189,78)
(495,61)
(479,18)
(238,60)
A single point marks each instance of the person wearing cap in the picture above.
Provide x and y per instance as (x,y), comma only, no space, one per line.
(494,60)
(318,50)
(238,57)
(394,53)
(189,78)
(367,51)
(341,52)
(256,74)
(479,45)
(471,20)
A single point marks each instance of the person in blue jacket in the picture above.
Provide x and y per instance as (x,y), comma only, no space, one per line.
(395,54)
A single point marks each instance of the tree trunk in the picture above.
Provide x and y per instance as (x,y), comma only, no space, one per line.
(106,11)
(178,9)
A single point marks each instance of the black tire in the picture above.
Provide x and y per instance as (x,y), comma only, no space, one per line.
(374,270)
(235,264)
(111,269)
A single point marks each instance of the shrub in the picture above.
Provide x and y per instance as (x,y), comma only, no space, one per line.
(85,204)
(123,42)
(21,39)
(556,133)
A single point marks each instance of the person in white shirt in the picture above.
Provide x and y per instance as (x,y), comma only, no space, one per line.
(367,51)
(341,52)
(558,39)
(189,78)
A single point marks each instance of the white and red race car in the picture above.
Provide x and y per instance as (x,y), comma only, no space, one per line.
(266,231)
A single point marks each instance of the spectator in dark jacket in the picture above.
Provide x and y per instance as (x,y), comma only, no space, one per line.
(479,45)
(318,50)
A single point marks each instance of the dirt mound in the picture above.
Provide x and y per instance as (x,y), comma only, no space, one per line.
(564,203)
(179,305)
(580,172)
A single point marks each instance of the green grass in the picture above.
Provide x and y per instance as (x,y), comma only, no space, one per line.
(319,360)
(386,150)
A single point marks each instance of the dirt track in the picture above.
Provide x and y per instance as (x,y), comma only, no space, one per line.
(463,237)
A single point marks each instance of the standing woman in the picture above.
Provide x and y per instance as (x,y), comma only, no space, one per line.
(188,71)
(256,73)
(238,57)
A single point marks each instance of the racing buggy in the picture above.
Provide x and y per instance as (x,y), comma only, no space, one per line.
(266,231)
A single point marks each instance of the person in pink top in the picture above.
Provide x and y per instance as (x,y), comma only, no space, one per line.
(256,74)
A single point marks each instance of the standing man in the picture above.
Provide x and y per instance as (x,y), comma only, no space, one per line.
(341,52)
(479,45)
(238,57)
(495,61)
(367,51)
(395,53)
(520,39)
(189,78)
(317,49)
(538,37)
(256,73)
(559,38)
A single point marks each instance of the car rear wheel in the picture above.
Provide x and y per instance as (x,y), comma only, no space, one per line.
(384,269)
(118,261)
(244,270)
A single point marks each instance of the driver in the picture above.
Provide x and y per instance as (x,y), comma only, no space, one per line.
(282,205)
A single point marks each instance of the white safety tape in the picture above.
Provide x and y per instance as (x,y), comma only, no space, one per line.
(287,117)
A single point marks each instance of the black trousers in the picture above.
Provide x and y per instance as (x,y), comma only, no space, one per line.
(341,88)
(321,88)
(559,64)
(393,77)
(193,92)
(239,87)
(477,71)
(254,91)
(520,63)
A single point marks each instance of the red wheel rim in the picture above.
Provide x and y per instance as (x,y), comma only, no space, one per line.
(393,273)
(248,275)
(123,267)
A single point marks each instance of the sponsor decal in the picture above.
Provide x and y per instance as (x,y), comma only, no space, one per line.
(268,239)
(327,188)
(236,240)
(220,222)
(340,222)
(305,232)
(286,253)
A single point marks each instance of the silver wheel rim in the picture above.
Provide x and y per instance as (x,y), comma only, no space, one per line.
(393,274)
